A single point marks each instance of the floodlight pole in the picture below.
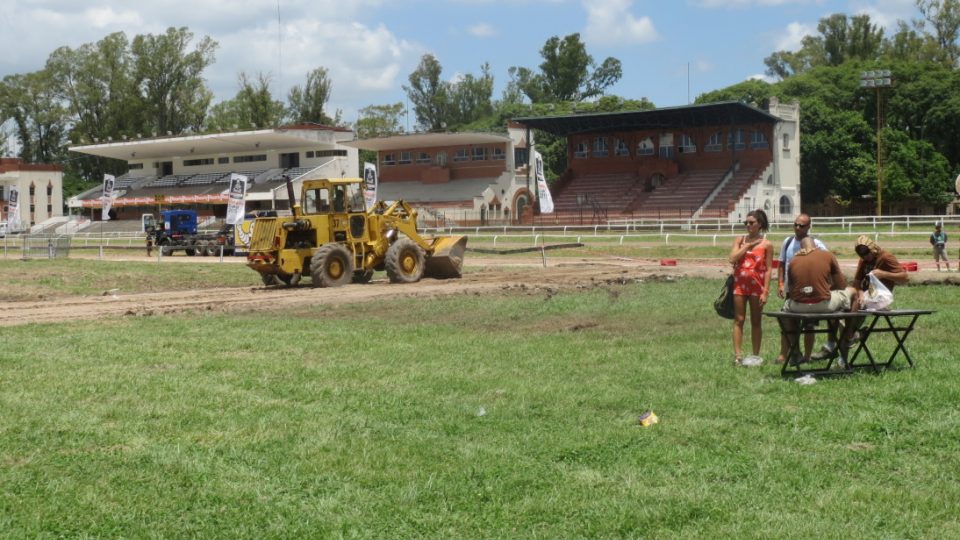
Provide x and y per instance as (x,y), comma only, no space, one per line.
(878,80)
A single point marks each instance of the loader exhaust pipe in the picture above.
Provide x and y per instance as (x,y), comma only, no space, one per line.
(290,195)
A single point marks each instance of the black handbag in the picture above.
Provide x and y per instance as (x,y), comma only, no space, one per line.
(724,303)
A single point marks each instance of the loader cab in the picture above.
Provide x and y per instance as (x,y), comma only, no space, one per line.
(333,198)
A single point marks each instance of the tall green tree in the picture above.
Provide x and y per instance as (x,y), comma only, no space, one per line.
(567,73)
(95,84)
(429,94)
(840,39)
(380,121)
(944,17)
(253,105)
(914,167)
(169,77)
(306,103)
(836,154)
(471,97)
(40,121)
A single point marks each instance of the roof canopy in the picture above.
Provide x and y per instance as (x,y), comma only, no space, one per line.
(205,145)
(426,140)
(711,114)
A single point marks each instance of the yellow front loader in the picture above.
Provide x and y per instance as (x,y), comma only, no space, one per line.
(334,240)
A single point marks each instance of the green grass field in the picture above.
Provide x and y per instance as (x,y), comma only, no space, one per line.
(472,416)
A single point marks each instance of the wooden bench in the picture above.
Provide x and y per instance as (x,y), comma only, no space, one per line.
(898,322)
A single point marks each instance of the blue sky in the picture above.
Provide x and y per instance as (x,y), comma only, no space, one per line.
(371,46)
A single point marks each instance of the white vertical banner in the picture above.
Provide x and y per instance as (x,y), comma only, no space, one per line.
(106,198)
(369,184)
(543,192)
(236,203)
(13,210)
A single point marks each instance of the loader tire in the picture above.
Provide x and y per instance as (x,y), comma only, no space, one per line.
(404,261)
(331,266)
(269,280)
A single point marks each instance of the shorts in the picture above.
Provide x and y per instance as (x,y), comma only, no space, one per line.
(838,301)
(939,252)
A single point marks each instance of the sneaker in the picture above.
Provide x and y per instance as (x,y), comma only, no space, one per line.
(825,353)
(796,360)
(752,361)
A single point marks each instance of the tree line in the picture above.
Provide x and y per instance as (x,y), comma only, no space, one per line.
(153,85)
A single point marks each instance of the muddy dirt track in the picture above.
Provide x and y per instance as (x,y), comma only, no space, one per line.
(482,277)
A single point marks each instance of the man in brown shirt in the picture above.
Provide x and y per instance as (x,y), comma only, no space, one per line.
(817,285)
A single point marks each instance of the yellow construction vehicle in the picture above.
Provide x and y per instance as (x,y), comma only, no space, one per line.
(334,240)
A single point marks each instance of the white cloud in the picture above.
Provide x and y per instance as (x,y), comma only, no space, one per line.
(792,37)
(105,17)
(611,23)
(763,77)
(885,13)
(482,30)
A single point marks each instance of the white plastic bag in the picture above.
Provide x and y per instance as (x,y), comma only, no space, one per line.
(877,296)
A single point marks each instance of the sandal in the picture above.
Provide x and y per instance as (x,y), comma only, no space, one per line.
(737,360)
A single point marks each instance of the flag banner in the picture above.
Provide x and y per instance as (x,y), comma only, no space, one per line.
(369,184)
(235,203)
(543,192)
(107,196)
(13,210)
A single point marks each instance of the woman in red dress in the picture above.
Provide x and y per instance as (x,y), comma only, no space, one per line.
(752,259)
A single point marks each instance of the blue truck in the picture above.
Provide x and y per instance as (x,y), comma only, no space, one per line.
(177,231)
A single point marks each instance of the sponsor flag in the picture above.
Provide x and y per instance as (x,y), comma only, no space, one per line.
(236,201)
(106,197)
(13,210)
(369,184)
(543,192)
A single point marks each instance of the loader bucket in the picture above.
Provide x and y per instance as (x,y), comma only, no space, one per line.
(446,257)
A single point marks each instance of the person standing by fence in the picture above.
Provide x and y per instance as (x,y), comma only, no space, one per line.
(752,259)
(939,242)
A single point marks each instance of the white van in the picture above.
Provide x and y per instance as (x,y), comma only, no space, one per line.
(3,229)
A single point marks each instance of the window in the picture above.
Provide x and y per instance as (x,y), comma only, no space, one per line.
(389,159)
(134,166)
(405,158)
(461,155)
(330,153)
(735,140)
(197,162)
(600,147)
(223,160)
(249,159)
(786,141)
(771,181)
(758,140)
(479,153)
(645,147)
(581,150)
(786,207)
(687,146)
(441,159)
(423,157)
(309,153)
(622,149)
(499,154)
(713,144)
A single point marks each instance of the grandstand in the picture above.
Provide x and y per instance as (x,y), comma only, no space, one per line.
(194,170)
(717,160)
